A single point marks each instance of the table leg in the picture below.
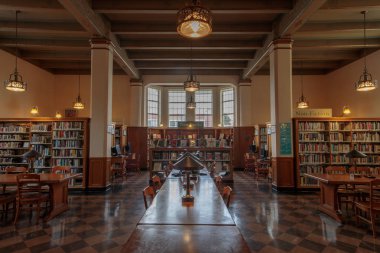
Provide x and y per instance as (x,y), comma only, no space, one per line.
(59,199)
(329,201)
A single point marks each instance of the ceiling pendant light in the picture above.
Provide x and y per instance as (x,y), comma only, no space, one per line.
(191,84)
(34,110)
(78,104)
(191,104)
(365,82)
(302,103)
(194,21)
(15,82)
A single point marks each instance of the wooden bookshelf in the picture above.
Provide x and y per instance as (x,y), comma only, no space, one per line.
(61,142)
(212,144)
(323,142)
(119,137)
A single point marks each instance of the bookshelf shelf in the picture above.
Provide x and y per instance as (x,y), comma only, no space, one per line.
(336,137)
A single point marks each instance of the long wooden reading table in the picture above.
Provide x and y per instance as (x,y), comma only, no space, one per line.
(170,226)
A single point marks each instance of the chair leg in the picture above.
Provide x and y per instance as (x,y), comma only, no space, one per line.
(38,212)
(18,207)
(373,224)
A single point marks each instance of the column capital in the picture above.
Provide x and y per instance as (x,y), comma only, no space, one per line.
(281,43)
(136,82)
(101,43)
(244,82)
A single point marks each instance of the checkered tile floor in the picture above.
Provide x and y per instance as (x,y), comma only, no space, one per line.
(269,222)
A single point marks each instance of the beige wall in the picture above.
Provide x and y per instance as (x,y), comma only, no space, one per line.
(40,90)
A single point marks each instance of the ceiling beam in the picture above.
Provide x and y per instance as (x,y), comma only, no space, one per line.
(172,7)
(31,6)
(327,55)
(171,29)
(187,64)
(288,25)
(45,43)
(338,27)
(185,44)
(43,27)
(97,26)
(220,72)
(350,4)
(336,43)
(200,56)
(53,55)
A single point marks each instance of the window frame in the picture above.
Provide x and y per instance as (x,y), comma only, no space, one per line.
(183,103)
(157,102)
(210,102)
(222,104)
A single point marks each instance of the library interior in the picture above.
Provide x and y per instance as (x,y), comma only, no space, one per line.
(189,126)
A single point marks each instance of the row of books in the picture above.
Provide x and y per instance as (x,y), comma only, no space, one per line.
(366,125)
(68,125)
(313,158)
(209,156)
(367,148)
(370,137)
(14,129)
(312,137)
(73,162)
(339,126)
(13,137)
(14,144)
(68,143)
(72,134)
(208,143)
(313,147)
(68,152)
(41,138)
(312,126)
(41,127)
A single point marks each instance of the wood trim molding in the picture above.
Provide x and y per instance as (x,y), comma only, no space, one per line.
(99,172)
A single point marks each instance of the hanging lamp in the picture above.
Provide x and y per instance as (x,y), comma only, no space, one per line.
(365,82)
(78,104)
(191,104)
(191,84)
(194,21)
(34,110)
(302,103)
(15,82)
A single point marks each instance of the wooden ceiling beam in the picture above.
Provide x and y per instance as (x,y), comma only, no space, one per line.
(45,43)
(350,4)
(172,7)
(43,27)
(196,56)
(221,72)
(188,64)
(287,26)
(171,29)
(39,55)
(338,27)
(185,44)
(98,26)
(31,6)
(339,44)
(301,55)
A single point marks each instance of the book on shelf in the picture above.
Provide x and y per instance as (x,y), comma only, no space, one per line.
(157,166)
(218,156)
(173,156)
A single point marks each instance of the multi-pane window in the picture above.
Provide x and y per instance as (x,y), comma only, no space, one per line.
(177,107)
(153,107)
(228,107)
(203,110)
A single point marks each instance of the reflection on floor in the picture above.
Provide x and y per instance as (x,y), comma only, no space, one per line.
(269,222)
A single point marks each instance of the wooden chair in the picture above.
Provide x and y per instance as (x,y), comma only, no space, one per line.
(227,194)
(218,182)
(133,162)
(14,170)
(156,182)
(250,163)
(61,170)
(367,210)
(148,191)
(262,169)
(29,195)
(7,199)
(345,193)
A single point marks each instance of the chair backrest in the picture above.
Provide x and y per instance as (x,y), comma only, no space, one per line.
(361,170)
(227,194)
(148,191)
(336,170)
(15,170)
(61,170)
(156,182)
(28,187)
(374,193)
(218,181)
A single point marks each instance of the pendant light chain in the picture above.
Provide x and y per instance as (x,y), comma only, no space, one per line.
(17,12)
(365,42)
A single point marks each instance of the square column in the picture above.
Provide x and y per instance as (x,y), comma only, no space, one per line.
(244,102)
(101,114)
(281,114)
(136,103)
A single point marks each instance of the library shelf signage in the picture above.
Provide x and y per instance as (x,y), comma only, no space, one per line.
(285,139)
(313,113)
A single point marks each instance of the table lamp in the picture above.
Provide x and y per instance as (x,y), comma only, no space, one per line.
(188,162)
(31,156)
(354,154)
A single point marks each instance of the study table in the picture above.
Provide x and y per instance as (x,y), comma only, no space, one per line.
(329,184)
(58,188)
(170,226)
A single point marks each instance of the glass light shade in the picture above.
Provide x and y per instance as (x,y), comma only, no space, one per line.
(78,104)
(365,82)
(15,82)
(194,21)
(58,115)
(346,110)
(191,85)
(34,110)
(302,103)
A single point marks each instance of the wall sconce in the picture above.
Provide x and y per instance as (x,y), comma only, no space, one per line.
(346,110)
(34,110)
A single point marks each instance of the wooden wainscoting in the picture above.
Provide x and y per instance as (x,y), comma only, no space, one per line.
(99,173)
(283,173)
